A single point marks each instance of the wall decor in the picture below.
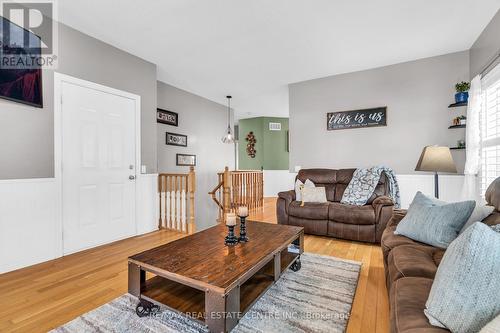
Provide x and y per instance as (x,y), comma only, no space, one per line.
(185,160)
(167,117)
(250,139)
(175,139)
(356,119)
(20,79)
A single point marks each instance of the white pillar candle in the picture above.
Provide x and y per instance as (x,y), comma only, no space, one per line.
(243,211)
(230,219)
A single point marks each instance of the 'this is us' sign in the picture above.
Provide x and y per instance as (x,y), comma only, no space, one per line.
(356,119)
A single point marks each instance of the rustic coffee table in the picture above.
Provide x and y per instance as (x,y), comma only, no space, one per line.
(201,277)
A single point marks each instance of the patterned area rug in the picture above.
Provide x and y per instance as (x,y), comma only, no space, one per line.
(318,298)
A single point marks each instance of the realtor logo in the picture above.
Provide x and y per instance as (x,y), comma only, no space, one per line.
(28,34)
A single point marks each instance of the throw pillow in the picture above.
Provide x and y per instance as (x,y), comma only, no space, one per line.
(478,214)
(492,327)
(433,221)
(299,186)
(313,194)
(465,294)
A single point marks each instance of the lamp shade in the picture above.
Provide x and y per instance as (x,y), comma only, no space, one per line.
(436,159)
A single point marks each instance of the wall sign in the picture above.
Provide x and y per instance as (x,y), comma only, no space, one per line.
(174,139)
(167,117)
(356,119)
(185,160)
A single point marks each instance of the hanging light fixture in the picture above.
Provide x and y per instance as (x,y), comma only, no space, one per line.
(228,137)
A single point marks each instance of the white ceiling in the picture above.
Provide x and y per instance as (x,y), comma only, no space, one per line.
(253,48)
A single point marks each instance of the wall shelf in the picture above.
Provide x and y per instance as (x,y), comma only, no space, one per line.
(457,148)
(456,105)
(456,126)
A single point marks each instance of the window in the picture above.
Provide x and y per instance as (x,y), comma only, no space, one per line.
(490,129)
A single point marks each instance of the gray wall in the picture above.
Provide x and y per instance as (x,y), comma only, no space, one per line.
(486,47)
(27,133)
(416,94)
(204,122)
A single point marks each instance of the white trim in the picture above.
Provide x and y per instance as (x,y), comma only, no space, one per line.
(59,78)
(27,180)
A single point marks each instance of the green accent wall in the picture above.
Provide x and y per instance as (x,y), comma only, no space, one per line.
(271,145)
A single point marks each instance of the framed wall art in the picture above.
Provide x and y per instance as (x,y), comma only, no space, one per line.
(185,160)
(167,117)
(174,139)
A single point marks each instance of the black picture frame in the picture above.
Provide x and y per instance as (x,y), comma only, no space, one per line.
(364,118)
(174,139)
(167,117)
(179,162)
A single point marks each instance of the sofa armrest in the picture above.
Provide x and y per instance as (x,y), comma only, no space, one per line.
(284,200)
(397,216)
(382,201)
(289,196)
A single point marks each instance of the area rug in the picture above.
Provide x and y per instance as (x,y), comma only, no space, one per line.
(317,298)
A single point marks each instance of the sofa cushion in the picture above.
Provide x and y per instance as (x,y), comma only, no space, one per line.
(407,304)
(351,214)
(358,232)
(434,222)
(310,210)
(466,285)
(390,240)
(314,227)
(313,195)
(414,261)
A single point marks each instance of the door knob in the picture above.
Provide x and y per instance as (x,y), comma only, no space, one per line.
(131,177)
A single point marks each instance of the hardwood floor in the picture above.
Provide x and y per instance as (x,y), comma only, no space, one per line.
(44,296)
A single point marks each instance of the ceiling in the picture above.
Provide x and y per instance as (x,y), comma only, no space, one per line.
(253,49)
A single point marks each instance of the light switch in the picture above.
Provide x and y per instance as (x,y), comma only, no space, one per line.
(143,169)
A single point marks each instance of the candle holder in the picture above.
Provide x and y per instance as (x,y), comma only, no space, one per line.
(243,229)
(230,239)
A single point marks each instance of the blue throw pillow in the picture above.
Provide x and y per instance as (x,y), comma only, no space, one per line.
(465,294)
(433,221)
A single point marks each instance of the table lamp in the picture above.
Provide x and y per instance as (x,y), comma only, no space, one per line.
(436,159)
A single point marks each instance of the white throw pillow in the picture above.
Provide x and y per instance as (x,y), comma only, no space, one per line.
(299,186)
(492,327)
(313,194)
(478,214)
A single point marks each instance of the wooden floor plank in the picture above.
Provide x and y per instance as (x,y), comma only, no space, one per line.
(44,296)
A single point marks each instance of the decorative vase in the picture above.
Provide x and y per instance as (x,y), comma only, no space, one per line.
(462,97)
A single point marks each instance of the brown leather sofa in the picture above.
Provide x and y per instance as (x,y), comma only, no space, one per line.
(360,223)
(410,268)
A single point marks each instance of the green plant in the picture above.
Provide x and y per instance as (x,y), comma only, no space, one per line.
(462,87)
(462,117)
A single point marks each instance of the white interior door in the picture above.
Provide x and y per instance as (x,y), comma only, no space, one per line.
(98,167)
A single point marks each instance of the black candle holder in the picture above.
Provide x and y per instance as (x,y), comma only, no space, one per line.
(231,239)
(243,230)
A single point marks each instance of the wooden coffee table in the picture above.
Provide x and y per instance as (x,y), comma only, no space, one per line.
(201,277)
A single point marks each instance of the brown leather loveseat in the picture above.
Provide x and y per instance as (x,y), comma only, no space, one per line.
(410,268)
(361,223)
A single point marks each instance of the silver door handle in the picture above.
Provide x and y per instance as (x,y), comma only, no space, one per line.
(131,177)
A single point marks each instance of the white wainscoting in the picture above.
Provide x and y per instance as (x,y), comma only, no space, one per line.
(147,209)
(450,186)
(29,229)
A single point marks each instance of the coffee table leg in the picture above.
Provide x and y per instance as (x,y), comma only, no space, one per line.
(222,311)
(136,277)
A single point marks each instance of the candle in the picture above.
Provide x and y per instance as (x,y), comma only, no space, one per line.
(243,211)
(230,219)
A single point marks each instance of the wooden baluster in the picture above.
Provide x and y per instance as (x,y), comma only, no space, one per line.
(159,200)
(170,187)
(191,189)
(226,193)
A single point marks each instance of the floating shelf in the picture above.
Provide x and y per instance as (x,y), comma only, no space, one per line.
(457,148)
(456,126)
(456,105)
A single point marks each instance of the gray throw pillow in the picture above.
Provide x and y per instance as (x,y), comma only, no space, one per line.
(465,294)
(433,221)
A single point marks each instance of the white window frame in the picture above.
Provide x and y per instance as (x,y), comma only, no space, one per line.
(490,129)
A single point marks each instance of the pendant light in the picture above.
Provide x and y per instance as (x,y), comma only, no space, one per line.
(228,137)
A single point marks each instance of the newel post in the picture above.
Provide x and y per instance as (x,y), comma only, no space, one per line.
(191,190)
(226,184)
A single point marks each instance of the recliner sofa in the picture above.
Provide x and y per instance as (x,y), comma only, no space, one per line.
(360,223)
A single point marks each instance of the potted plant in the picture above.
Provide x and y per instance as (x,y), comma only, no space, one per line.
(462,120)
(462,95)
